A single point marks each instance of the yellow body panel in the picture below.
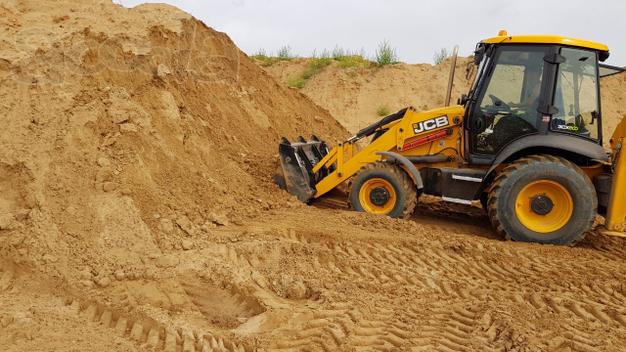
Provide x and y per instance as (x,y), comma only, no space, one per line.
(400,133)
(546,39)
(617,203)
(618,135)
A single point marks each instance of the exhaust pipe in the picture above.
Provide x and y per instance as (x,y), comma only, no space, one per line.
(455,55)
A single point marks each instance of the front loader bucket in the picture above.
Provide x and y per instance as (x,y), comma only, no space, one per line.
(297,160)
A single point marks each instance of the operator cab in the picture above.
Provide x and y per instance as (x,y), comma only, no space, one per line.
(529,85)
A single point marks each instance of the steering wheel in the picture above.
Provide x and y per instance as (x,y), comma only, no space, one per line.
(514,120)
(499,102)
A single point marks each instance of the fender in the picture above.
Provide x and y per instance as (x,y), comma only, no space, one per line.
(417,177)
(554,144)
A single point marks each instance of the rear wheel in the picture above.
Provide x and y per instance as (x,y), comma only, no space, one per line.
(383,189)
(543,199)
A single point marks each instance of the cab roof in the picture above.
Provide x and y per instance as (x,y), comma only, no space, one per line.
(504,37)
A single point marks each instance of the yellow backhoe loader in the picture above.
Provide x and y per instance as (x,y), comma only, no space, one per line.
(526,142)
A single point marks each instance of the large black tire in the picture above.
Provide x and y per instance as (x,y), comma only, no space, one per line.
(396,179)
(508,213)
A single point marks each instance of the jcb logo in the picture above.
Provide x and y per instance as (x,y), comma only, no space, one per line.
(431,124)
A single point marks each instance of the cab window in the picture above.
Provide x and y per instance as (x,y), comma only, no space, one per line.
(508,106)
(576,95)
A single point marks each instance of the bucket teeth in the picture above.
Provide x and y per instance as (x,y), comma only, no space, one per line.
(298,160)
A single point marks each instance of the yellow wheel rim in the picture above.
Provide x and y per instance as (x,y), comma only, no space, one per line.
(377,196)
(544,206)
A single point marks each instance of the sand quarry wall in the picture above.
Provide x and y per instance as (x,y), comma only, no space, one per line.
(125,130)
(353,95)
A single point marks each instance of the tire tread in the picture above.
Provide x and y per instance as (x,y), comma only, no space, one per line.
(529,161)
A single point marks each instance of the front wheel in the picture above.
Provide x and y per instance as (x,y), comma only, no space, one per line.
(383,189)
(544,199)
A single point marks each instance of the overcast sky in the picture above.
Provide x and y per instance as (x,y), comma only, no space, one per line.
(415,28)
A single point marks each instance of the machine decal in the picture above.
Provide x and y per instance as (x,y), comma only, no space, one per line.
(425,140)
(431,124)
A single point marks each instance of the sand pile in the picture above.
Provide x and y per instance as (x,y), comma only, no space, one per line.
(354,95)
(127,130)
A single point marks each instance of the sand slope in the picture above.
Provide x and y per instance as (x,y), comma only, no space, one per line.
(117,126)
(125,133)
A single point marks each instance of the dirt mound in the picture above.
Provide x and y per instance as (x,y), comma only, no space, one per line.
(355,95)
(123,125)
(127,132)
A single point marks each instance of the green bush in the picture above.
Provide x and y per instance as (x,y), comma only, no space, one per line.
(260,53)
(383,110)
(314,66)
(296,82)
(338,53)
(284,53)
(266,60)
(386,54)
(440,56)
(353,61)
(345,58)
(325,54)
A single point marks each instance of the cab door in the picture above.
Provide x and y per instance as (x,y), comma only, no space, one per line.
(576,97)
(506,106)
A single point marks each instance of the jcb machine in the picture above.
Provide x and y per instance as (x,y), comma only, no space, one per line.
(526,142)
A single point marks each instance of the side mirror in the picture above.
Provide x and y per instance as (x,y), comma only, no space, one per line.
(479,54)
(463,99)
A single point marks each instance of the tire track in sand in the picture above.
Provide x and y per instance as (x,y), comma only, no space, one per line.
(467,326)
(148,334)
(381,331)
(477,278)
(326,330)
(333,327)
(455,278)
(450,328)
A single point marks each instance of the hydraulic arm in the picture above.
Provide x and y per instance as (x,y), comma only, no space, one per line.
(617,204)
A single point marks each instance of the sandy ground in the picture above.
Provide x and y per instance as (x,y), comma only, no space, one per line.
(437,282)
(137,213)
